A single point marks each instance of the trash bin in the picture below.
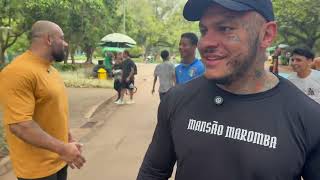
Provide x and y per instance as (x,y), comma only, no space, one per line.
(102,74)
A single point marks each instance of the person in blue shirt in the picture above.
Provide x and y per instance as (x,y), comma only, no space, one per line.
(190,67)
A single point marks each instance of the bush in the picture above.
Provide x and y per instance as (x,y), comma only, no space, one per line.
(136,52)
(66,67)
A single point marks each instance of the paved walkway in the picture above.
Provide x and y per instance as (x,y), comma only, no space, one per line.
(82,103)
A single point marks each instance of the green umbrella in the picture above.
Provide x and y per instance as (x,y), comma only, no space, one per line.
(118,38)
(113,49)
(283,46)
(271,49)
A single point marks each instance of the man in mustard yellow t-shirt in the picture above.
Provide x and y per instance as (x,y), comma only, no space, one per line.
(35,105)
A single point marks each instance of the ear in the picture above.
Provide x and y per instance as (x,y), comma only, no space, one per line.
(268,34)
(48,39)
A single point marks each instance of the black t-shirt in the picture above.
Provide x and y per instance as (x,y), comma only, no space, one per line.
(274,135)
(127,65)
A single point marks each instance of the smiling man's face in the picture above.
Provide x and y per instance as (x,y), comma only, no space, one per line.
(228,43)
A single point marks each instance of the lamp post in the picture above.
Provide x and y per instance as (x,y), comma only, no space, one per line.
(124,16)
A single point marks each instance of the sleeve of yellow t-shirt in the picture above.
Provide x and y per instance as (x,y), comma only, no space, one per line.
(18,97)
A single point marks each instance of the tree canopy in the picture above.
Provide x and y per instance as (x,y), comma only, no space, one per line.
(299,21)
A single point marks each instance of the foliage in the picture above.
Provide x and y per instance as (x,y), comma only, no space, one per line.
(299,21)
(12,24)
(136,51)
(158,25)
(66,67)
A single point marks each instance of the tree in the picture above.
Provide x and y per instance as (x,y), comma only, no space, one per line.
(299,21)
(51,10)
(152,23)
(84,22)
(158,24)
(12,24)
(97,21)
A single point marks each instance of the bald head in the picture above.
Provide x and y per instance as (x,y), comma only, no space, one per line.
(41,28)
(48,41)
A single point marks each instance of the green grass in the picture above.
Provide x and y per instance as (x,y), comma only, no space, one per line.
(138,60)
(3,145)
(82,79)
(83,58)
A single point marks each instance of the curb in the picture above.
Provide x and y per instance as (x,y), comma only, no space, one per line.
(5,163)
(96,108)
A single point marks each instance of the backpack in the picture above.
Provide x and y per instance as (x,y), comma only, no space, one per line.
(135,69)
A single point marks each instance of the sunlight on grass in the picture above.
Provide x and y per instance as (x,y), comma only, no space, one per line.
(81,79)
(3,146)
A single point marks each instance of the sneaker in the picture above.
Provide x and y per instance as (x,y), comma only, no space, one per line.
(130,102)
(119,102)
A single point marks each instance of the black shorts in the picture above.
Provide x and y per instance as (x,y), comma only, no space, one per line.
(117,85)
(127,85)
(60,175)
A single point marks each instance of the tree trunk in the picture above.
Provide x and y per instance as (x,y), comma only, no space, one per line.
(72,53)
(67,57)
(89,54)
(2,60)
(73,61)
(147,52)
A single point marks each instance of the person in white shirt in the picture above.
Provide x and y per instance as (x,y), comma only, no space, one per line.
(166,74)
(305,78)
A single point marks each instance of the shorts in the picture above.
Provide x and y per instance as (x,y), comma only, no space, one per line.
(127,85)
(60,175)
(117,85)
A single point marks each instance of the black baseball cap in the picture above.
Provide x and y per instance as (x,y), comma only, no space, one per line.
(194,9)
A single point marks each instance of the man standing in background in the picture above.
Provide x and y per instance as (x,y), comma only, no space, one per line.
(165,72)
(190,67)
(305,78)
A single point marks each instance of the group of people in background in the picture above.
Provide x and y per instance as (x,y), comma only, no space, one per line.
(123,71)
